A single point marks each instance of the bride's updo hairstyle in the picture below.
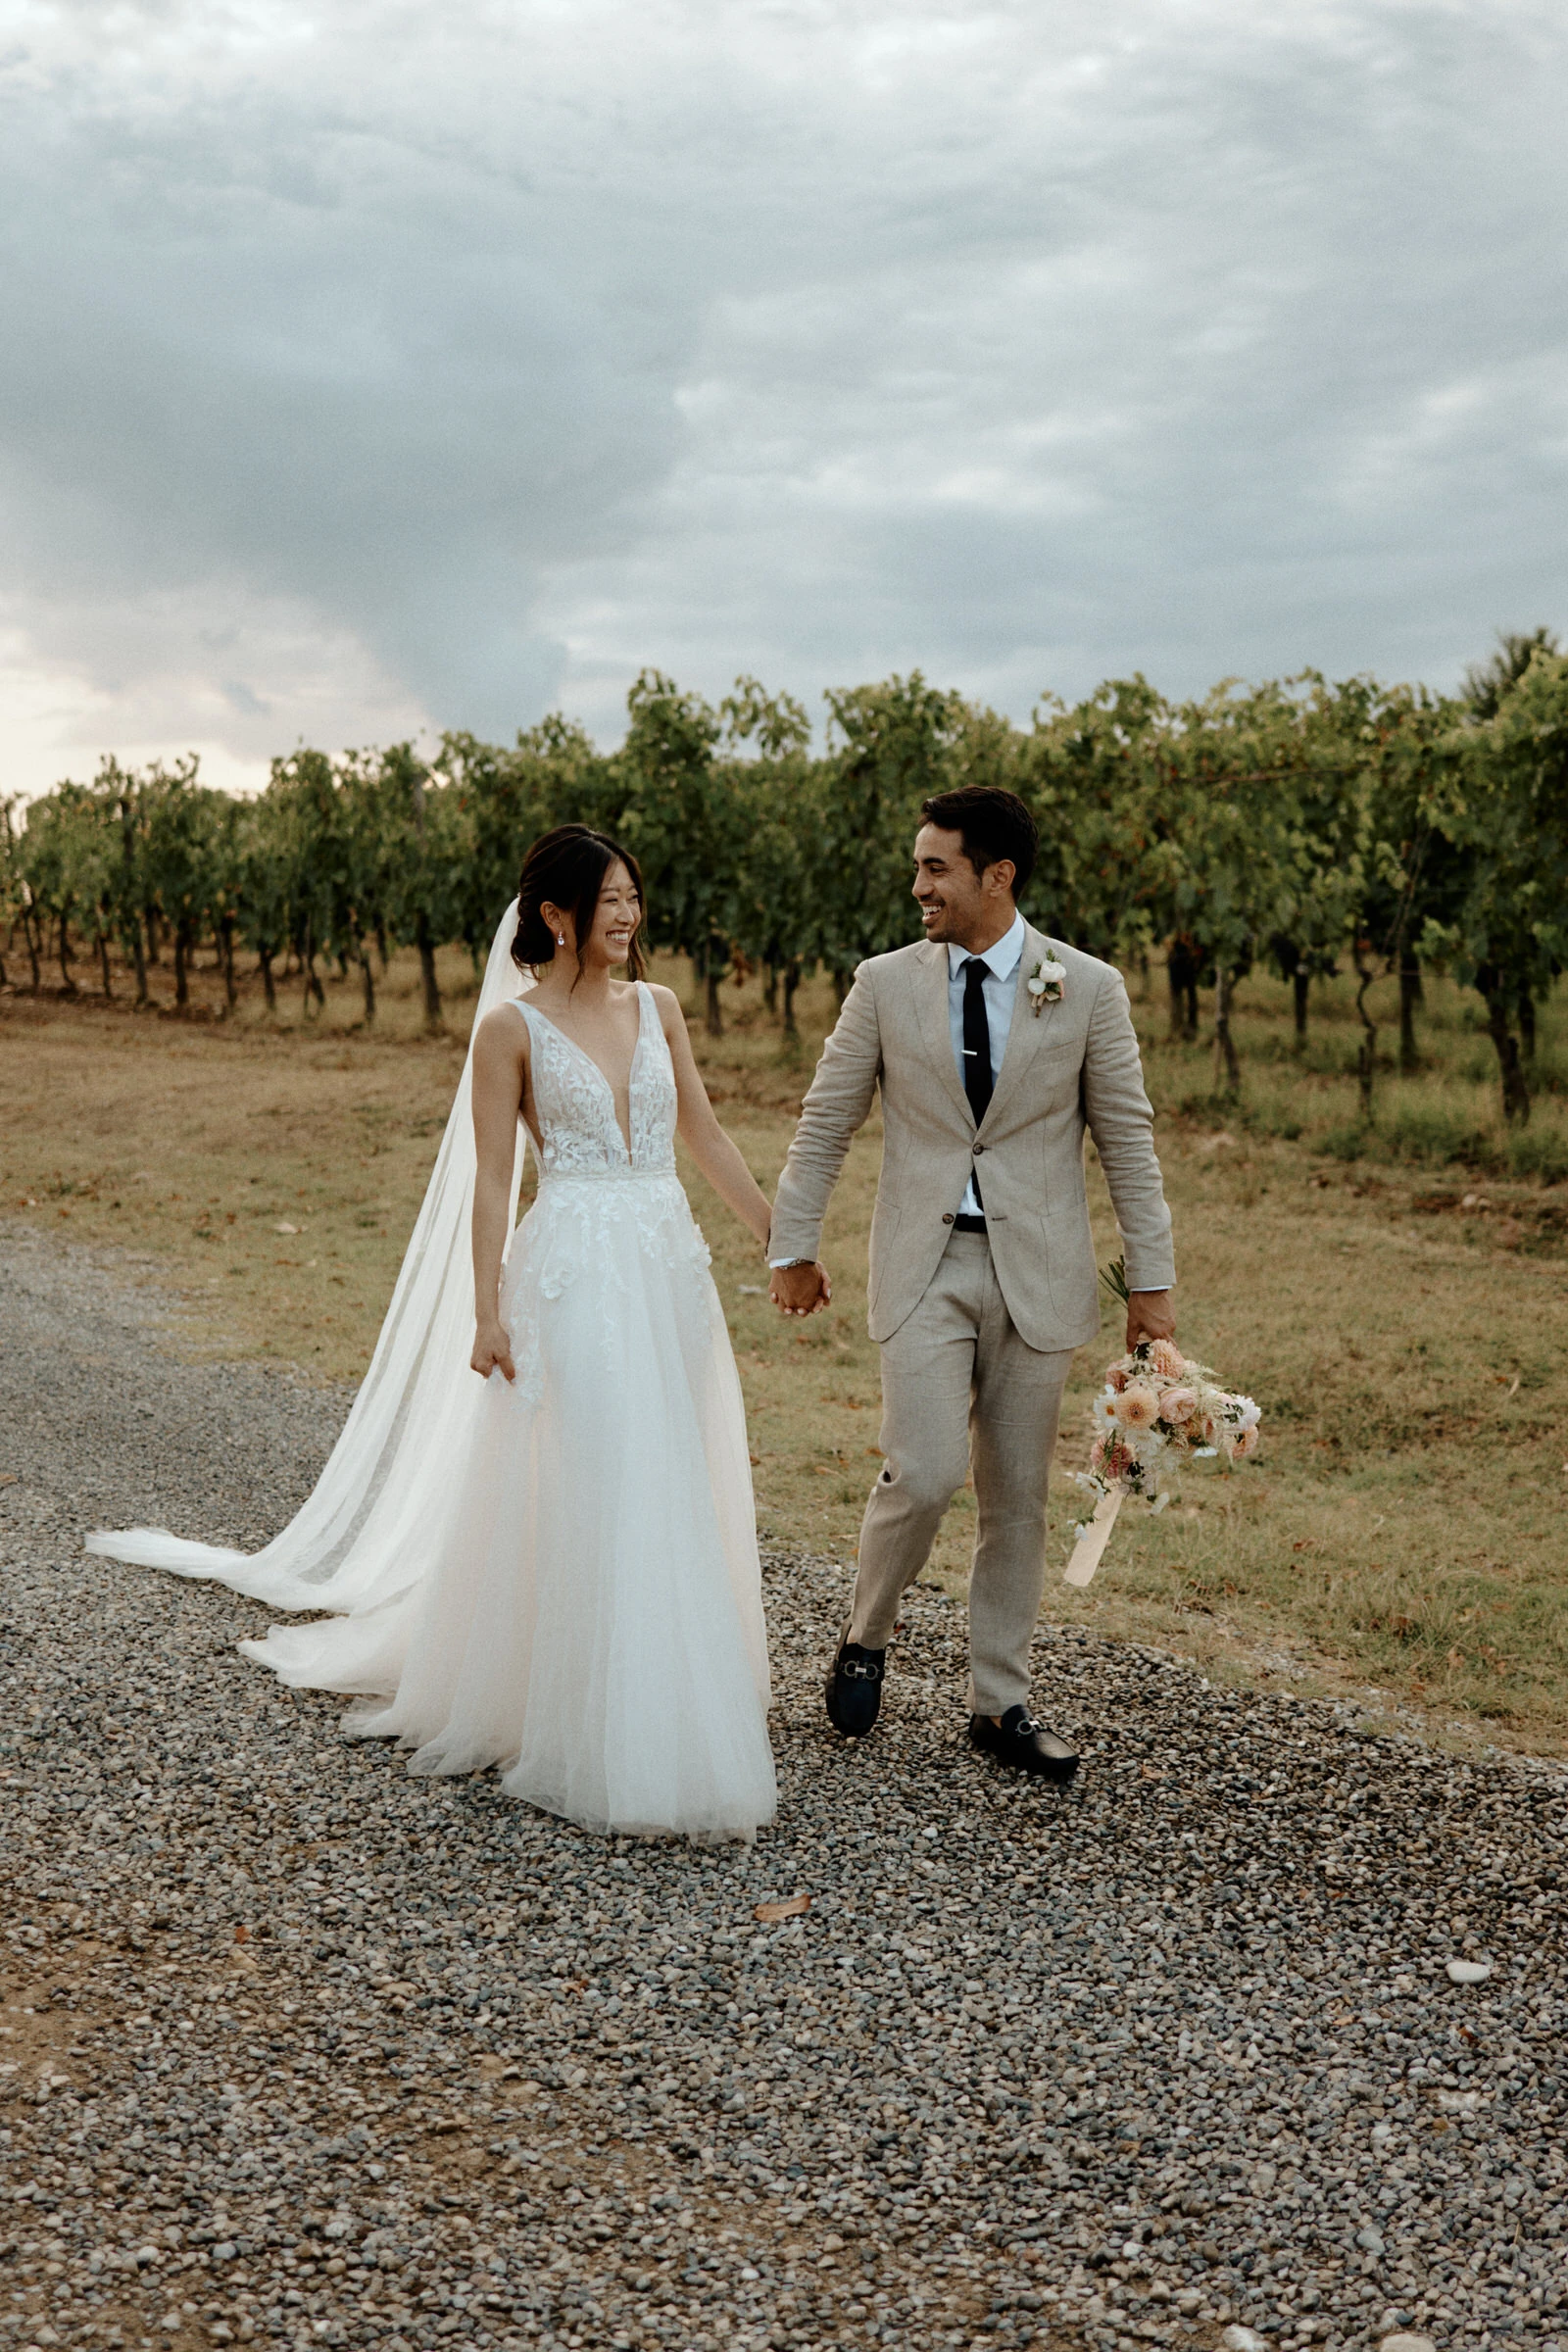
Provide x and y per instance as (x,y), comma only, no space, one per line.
(566,869)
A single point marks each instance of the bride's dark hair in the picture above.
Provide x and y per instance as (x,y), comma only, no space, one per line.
(568,867)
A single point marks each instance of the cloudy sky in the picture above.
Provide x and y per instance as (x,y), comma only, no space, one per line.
(371,369)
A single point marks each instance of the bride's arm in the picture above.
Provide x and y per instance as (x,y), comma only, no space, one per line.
(700,1131)
(500,1073)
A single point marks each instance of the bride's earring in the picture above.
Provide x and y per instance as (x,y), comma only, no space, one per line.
(561,939)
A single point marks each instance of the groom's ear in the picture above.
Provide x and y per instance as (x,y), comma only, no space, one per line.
(1002,874)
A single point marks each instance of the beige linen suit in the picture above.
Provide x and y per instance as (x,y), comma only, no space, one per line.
(977,1330)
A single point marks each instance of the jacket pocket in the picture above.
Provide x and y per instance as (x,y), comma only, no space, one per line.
(1068,1249)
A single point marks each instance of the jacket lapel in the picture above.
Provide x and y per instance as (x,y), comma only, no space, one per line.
(1029,1029)
(936,1029)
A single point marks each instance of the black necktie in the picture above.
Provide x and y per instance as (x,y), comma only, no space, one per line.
(976,1039)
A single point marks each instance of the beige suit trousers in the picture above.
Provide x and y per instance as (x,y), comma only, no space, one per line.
(959,1387)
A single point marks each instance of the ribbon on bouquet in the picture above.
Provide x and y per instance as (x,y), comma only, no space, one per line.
(1090,1548)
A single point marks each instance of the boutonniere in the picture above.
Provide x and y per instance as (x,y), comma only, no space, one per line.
(1046,983)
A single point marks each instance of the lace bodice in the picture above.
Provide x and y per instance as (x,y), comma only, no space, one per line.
(579,1134)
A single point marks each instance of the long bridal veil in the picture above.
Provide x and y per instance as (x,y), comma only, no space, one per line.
(370,1526)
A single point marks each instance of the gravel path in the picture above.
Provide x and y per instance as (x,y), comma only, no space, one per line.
(299,2050)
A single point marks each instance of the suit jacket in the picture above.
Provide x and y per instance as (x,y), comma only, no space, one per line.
(1071,1065)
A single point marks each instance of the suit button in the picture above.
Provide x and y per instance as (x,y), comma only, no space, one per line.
(947,1218)
(977,1148)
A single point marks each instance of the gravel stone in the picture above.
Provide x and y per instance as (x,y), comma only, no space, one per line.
(299,2050)
(1469,1971)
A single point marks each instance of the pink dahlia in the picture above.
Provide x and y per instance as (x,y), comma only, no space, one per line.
(1138,1405)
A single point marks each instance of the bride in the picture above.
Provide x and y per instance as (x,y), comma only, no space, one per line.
(551,1568)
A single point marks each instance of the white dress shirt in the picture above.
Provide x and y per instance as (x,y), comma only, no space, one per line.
(1001,990)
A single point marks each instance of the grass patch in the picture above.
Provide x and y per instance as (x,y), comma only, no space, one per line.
(1404,1329)
(1539,1150)
(1432,1135)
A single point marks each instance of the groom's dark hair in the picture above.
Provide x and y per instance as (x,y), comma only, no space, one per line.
(994,824)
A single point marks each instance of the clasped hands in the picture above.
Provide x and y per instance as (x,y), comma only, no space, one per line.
(802,1289)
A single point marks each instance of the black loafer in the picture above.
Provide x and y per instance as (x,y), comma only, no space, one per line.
(1024,1744)
(855,1688)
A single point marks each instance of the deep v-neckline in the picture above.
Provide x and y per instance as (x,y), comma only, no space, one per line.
(596,1068)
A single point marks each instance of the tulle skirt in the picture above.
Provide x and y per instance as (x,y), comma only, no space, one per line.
(591,1616)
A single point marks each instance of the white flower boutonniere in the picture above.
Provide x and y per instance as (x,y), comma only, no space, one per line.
(1046,983)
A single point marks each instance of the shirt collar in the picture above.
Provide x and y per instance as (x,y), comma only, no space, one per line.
(999,959)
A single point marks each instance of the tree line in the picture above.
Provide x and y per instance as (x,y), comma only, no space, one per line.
(1299,824)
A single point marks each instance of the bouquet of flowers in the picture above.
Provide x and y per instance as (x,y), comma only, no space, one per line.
(1156,1408)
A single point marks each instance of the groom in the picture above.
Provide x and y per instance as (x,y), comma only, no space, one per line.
(994,1047)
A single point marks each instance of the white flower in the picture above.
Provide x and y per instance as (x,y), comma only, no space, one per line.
(1046,983)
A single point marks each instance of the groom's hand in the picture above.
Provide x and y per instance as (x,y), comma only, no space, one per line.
(800,1290)
(1150,1316)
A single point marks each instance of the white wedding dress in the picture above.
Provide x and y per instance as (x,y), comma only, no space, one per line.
(586,1609)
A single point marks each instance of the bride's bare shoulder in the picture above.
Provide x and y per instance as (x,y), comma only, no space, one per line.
(671,1018)
(502,1034)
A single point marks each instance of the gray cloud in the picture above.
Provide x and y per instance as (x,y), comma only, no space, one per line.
(366,364)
